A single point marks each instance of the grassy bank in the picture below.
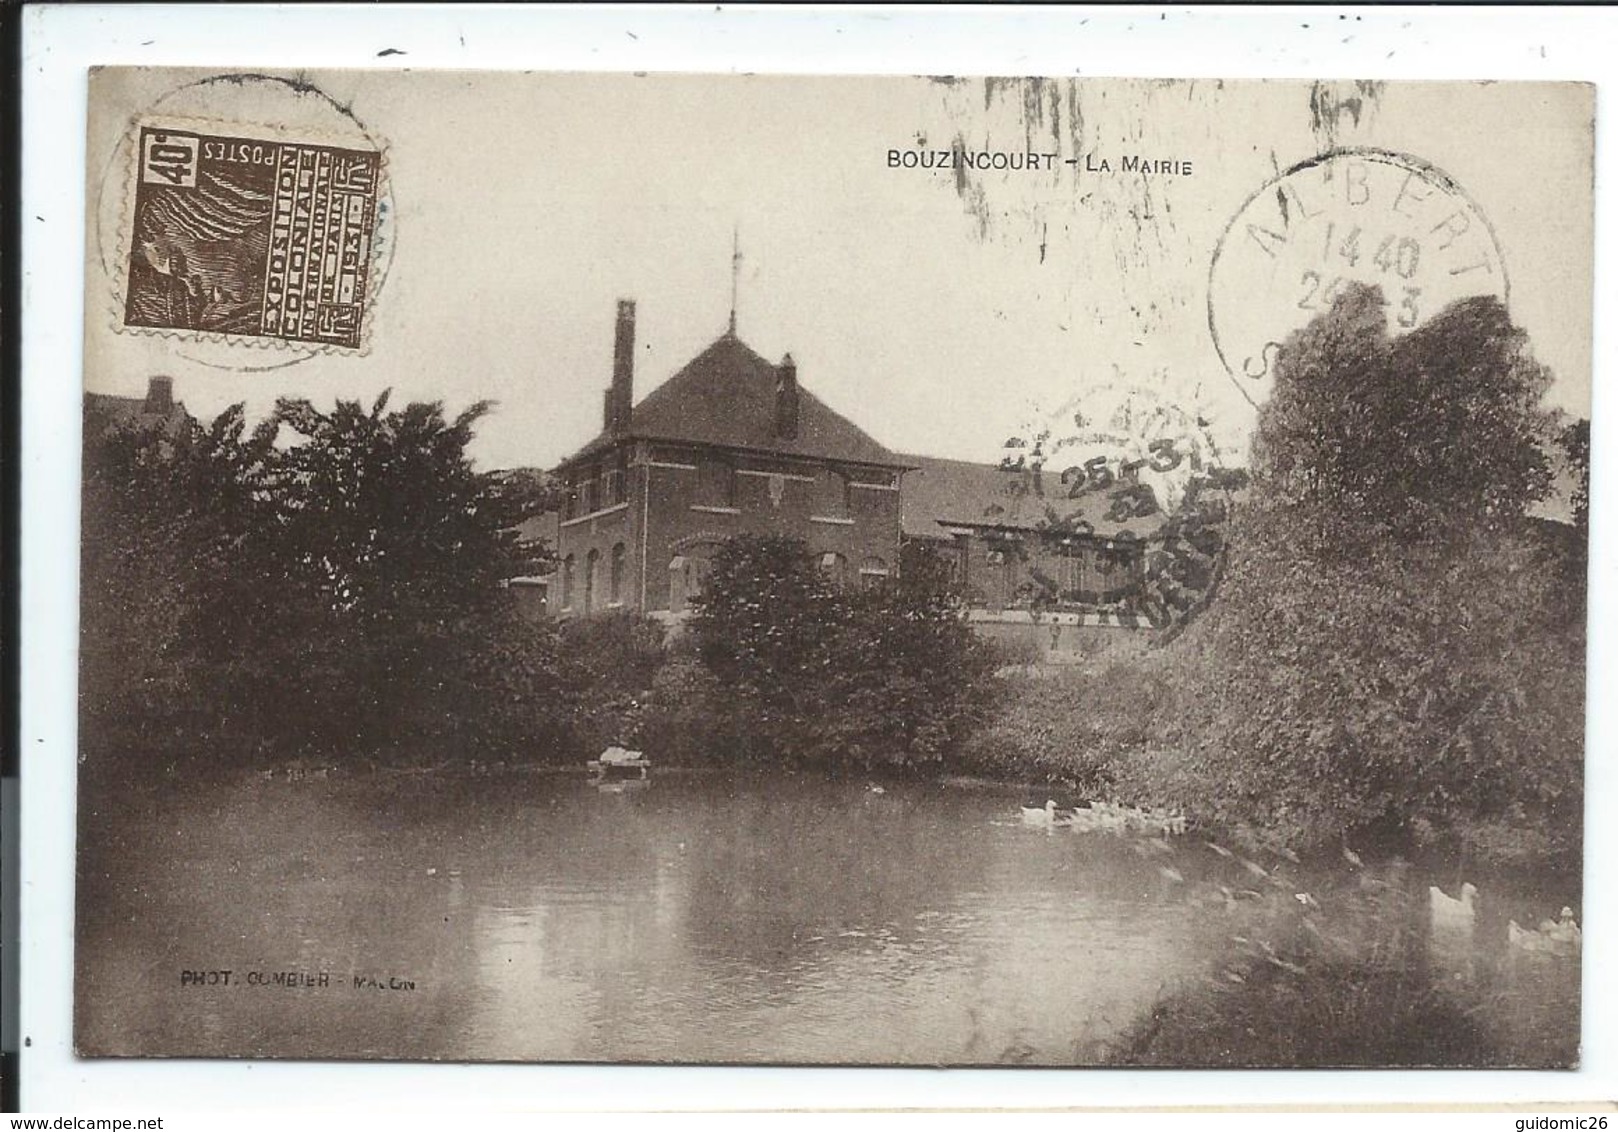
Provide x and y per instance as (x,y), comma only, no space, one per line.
(1155,728)
(1356,976)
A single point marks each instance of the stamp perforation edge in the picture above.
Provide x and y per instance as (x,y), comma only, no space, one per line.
(127,151)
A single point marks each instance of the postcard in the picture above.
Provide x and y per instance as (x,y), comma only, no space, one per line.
(965,571)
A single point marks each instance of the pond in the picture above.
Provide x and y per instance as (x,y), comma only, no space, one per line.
(694,918)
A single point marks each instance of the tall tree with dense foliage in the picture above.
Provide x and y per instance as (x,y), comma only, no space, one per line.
(330,579)
(167,510)
(1382,654)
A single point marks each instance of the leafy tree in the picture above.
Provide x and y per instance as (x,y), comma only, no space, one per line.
(1416,437)
(1383,651)
(1575,442)
(764,627)
(331,580)
(891,676)
(166,511)
(906,677)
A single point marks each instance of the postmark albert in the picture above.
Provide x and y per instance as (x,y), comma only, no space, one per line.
(1370,216)
(258,237)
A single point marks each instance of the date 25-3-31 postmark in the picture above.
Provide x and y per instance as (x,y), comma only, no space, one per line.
(249,236)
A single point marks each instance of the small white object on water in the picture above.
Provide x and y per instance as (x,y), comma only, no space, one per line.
(1565,929)
(875,789)
(1041,816)
(1306,900)
(1554,937)
(1449,940)
(1448,911)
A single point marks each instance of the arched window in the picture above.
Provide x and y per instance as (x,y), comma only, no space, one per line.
(567,582)
(615,590)
(591,562)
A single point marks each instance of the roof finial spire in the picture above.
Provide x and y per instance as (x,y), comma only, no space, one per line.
(735,270)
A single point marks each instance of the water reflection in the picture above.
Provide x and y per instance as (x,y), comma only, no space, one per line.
(702,918)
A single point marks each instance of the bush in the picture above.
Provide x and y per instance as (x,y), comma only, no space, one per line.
(1111,732)
(688,720)
(891,676)
(611,663)
(1352,978)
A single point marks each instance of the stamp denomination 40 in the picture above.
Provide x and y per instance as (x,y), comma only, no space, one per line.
(248,236)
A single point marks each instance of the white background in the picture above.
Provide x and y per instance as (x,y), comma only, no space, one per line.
(62,43)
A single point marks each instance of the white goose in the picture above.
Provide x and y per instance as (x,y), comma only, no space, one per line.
(1044,816)
(1554,937)
(1449,943)
(1450,912)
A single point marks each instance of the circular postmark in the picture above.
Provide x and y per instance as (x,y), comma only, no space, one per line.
(247,218)
(1137,482)
(1368,216)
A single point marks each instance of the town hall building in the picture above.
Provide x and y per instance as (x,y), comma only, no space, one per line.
(730,445)
(733,444)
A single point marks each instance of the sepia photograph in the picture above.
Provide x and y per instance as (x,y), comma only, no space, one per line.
(833,570)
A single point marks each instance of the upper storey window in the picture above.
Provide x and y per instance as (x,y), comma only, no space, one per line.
(832,494)
(716,482)
(614,481)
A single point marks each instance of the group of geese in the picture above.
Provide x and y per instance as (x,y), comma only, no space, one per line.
(1104,817)
(1452,918)
(1455,917)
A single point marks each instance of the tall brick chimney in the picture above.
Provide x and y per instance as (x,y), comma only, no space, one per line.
(159,396)
(621,394)
(786,399)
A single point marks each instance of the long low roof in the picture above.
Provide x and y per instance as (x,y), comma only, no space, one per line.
(939,494)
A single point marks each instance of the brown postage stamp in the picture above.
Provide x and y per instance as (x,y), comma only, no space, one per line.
(243,235)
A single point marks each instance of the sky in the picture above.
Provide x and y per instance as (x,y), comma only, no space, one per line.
(941,311)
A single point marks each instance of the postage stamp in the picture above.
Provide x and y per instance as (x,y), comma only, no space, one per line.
(241,235)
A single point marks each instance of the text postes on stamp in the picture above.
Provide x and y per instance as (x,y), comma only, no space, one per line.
(1369,216)
(240,235)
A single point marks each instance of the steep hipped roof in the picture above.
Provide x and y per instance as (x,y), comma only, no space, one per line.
(112,412)
(726,396)
(939,494)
